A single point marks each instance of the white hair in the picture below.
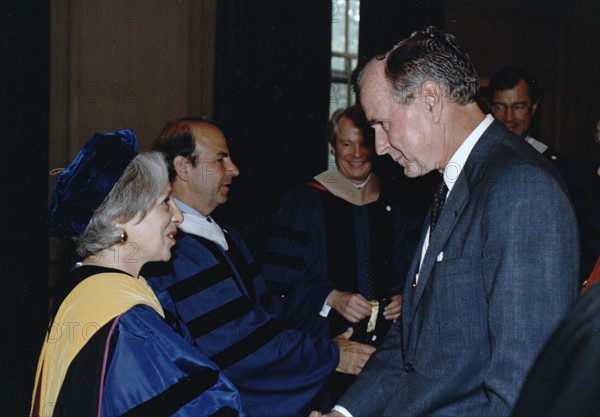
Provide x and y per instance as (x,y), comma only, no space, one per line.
(144,180)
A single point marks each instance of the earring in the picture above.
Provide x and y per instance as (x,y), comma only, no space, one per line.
(123,238)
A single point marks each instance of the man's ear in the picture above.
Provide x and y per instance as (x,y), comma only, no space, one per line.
(182,167)
(432,97)
(534,107)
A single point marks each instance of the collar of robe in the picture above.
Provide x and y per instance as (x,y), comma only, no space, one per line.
(341,187)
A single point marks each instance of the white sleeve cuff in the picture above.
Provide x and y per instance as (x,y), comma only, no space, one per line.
(342,410)
(325,309)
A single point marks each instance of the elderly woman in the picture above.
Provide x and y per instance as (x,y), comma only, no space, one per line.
(109,350)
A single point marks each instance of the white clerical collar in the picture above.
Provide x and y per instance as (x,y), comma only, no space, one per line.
(362,184)
(458,160)
(198,224)
(539,146)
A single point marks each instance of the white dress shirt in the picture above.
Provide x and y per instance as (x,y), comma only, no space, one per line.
(454,168)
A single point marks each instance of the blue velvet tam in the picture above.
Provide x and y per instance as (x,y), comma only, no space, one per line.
(85,183)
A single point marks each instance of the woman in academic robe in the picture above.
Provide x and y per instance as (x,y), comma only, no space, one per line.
(110,350)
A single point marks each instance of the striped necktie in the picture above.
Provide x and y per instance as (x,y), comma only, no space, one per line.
(439,198)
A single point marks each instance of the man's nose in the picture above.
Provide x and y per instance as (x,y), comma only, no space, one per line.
(509,115)
(232,169)
(381,142)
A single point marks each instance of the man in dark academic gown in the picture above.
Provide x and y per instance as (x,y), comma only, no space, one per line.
(340,245)
(213,282)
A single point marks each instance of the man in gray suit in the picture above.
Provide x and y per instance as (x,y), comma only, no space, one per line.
(493,274)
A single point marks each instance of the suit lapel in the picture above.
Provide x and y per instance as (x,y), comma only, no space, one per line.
(455,204)
(407,299)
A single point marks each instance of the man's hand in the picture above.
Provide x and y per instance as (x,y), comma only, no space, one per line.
(354,307)
(392,310)
(332,413)
(353,355)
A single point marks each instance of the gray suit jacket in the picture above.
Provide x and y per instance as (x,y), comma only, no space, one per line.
(500,272)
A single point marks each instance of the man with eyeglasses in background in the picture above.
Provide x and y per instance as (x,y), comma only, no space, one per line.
(514,95)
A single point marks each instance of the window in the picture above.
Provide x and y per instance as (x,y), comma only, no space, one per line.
(344,51)
(344,54)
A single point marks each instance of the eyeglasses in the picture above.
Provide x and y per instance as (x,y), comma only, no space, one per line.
(516,108)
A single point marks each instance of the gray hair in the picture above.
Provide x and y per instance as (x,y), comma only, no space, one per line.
(144,180)
(429,55)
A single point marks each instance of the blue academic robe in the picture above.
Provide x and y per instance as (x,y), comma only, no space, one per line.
(139,364)
(216,293)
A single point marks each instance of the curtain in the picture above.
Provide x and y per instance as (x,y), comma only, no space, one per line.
(272,93)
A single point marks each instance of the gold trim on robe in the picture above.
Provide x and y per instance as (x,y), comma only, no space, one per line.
(92,304)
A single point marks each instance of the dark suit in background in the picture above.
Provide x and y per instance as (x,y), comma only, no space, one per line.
(564,380)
